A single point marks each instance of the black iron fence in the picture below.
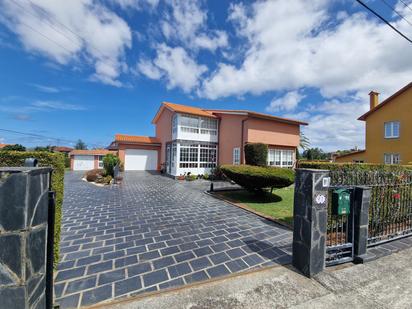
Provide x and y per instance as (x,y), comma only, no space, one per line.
(390,211)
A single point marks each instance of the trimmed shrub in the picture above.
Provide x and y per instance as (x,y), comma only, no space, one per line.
(92,175)
(256,154)
(45,159)
(333,166)
(109,162)
(257,178)
(191,177)
(104,180)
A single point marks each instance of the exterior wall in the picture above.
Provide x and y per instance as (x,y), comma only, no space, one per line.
(71,162)
(124,146)
(272,132)
(400,109)
(351,158)
(230,136)
(164,133)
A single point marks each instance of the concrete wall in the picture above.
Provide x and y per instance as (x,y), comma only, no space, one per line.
(23,237)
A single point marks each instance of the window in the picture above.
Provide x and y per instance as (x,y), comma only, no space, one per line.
(392,158)
(193,155)
(174,124)
(392,129)
(280,157)
(236,156)
(100,159)
(196,125)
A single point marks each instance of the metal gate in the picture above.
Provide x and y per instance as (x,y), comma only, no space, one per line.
(339,234)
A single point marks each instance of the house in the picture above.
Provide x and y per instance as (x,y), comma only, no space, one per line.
(3,145)
(62,149)
(195,140)
(84,160)
(388,130)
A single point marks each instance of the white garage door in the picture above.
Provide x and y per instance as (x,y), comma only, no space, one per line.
(140,160)
(83,163)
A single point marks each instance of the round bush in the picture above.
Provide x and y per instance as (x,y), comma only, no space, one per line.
(256,178)
(92,175)
(109,162)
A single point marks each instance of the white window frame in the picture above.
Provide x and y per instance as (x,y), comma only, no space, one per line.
(236,156)
(392,158)
(281,157)
(205,126)
(391,126)
(100,161)
(196,161)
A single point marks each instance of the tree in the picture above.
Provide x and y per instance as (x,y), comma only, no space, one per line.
(15,147)
(315,154)
(80,145)
(42,148)
(304,141)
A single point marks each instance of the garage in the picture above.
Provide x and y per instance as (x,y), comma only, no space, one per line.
(83,163)
(140,160)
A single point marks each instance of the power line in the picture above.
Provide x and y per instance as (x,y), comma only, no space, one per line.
(406,5)
(384,20)
(397,13)
(43,137)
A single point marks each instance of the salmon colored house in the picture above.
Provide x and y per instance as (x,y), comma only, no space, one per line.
(84,160)
(195,140)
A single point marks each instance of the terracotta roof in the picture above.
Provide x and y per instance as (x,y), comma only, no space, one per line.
(350,153)
(259,115)
(3,145)
(399,92)
(62,149)
(90,152)
(179,108)
(136,139)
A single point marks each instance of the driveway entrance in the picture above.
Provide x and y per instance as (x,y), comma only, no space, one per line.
(153,233)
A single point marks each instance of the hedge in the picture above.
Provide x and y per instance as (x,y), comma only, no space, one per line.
(49,159)
(256,178)
(333,166)
(256,154)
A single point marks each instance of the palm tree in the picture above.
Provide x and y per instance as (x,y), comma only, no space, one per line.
(304,141)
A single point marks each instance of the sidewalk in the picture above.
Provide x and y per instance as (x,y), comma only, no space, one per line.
(384,283)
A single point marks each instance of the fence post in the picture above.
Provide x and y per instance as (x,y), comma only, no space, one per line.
(361,222)
(310,220)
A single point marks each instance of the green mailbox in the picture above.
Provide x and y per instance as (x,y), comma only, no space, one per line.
(341,199)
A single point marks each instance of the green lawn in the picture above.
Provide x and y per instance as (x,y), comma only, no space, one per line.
(278,205)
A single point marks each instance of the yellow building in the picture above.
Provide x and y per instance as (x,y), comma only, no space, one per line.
(388,130)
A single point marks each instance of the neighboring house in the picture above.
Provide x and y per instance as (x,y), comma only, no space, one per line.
(388,130)
(3,145)
(84,160)
(62,149)
(195,140)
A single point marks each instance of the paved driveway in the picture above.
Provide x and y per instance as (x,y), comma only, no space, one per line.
(153,233)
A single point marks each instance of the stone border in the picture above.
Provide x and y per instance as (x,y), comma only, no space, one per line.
(216,195)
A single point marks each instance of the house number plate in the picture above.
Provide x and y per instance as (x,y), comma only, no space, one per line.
(320,199)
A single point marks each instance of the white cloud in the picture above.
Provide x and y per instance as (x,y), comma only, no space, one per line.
(71,32)
(136,4)
(295,44)
(47,89)
(333,124)
(186,23)
(56,105)
(288,102)
(174,65)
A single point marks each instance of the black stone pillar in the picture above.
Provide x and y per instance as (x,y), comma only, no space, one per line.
(361,222)
(24,204)
(310,220)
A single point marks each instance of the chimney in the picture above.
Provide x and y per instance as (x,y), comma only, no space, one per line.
(374,99)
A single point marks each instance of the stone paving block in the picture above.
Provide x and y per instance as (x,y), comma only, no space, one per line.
(217,271)
(71,301)
(139,269)
(97,295)
(127,286)
(200,263)
(155,277)
(160,233)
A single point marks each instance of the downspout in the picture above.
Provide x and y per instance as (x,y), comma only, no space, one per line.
(242,141)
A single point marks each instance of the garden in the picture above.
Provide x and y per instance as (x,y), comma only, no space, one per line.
(106,175)
(268,191)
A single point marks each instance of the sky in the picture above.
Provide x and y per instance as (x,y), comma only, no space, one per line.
(85,69)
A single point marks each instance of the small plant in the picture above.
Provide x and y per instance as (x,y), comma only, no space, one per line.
(180,177)
(206,176)
(104,180)
(109,162)
(191,177)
